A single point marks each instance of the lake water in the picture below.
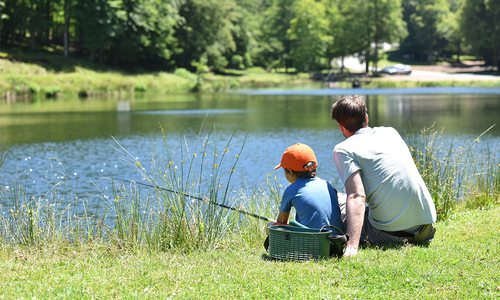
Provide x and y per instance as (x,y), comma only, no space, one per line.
(74,142)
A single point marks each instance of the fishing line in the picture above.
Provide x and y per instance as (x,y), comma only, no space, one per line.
(205,200)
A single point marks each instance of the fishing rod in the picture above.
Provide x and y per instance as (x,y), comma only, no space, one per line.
(205,200)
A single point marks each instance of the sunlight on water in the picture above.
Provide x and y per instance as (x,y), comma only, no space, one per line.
(73,149)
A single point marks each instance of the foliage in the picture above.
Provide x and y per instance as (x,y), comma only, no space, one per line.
(205,32)
(275,50)
(481,28)
(345,28)
(308,35)
(175,218)
(303,35)
(385,25)
(430,26)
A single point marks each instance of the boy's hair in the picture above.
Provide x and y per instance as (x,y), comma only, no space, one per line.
(350,112)
(304,174)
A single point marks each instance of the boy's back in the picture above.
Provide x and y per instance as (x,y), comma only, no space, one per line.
(315,202)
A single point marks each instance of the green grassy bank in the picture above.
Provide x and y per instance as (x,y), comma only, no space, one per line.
(461,263)
(28,75)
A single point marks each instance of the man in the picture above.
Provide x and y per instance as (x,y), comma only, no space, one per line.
(377,169)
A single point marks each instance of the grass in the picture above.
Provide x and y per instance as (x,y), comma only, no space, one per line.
(459,264)
(26,75)
(38,75)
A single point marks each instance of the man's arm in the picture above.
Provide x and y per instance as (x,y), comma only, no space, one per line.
(355,211)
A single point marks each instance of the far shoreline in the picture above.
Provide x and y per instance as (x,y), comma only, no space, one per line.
(29,81)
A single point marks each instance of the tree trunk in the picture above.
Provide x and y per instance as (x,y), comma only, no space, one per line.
(367,62)
(376,39)
(66,28)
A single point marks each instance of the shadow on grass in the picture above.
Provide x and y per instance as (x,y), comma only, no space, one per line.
(394,246)
(55,61)
(267,257)
(398,57)
(51,61)
(486,72)
(228,72)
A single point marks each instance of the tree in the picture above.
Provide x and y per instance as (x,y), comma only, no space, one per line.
(429,28)
(67,5)
(385,25)
(204,33)
(26,22)
(308,35)
(346,30)
(368,24)
(449,28)
(145,31)
(3,16)
(125,31)
(246,30)
(481,29)
(275,48)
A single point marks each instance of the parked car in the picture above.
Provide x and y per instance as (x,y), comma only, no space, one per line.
(397,70)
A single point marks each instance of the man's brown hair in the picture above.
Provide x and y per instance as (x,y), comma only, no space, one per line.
(350,112)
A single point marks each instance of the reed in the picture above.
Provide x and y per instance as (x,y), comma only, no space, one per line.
(263,200)
(173,220)
(465,175)
(3,157)
(455,172)
(51,218)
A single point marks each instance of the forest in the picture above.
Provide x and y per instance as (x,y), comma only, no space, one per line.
(298,35)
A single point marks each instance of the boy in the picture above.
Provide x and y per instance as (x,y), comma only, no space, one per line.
(315,200)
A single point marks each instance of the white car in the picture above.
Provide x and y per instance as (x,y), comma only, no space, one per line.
(397,70)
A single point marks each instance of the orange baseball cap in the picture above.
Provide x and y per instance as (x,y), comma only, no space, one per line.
(297,157)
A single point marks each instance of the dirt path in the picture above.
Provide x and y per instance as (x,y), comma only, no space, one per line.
(466,71)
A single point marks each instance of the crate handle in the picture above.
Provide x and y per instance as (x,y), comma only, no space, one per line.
(334,227)
(337,241)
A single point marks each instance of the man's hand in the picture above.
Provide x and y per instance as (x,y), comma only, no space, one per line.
(350,251)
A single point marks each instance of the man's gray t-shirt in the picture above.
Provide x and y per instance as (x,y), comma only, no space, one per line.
(395,192)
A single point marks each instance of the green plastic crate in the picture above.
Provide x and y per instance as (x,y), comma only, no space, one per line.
(295,243)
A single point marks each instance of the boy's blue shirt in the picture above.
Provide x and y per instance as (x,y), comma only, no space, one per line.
(315,202)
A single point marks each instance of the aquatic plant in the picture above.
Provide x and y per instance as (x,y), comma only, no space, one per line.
(3,157)
(132,217)
(263,200)
(454,172)
(174,220)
